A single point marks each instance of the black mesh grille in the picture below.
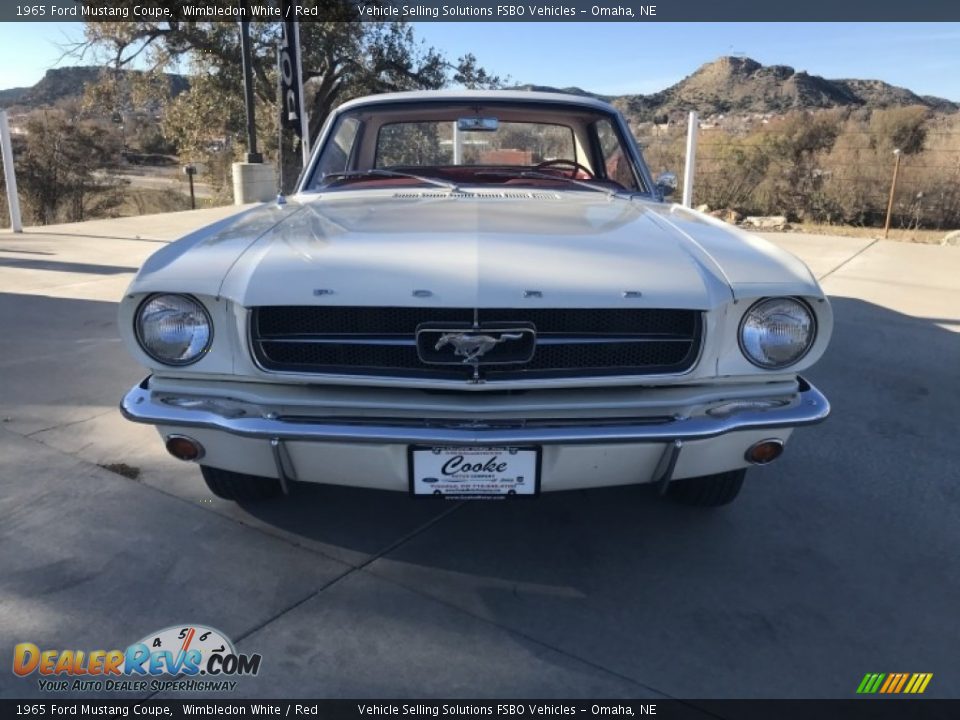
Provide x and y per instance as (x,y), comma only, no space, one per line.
(382,341)
(601,322)
(284,321)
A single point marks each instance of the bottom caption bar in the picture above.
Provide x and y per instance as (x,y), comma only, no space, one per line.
(873,708)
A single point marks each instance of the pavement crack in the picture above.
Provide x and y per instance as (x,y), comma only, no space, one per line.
(857,254)
(351,570)
(410,535)
(193,504)
(529,638)
(64,425)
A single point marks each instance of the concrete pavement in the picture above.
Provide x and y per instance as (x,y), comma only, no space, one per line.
(838,560)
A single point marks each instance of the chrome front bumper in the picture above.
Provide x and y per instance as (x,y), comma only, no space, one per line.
(579,448)
(808,406)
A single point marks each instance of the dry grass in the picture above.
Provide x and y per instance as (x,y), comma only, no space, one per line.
(144,201)
(928,237)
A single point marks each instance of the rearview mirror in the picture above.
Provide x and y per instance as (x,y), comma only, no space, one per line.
(667,184)
(477,124)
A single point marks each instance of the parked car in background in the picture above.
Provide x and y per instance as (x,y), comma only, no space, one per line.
(475,294)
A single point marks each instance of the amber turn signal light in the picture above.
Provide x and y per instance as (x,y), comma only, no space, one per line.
(765,451)
(184,448)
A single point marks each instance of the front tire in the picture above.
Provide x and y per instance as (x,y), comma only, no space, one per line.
(708,490)
(239,487)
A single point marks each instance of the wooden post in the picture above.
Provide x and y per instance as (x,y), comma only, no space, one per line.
(689,166)
(190,170)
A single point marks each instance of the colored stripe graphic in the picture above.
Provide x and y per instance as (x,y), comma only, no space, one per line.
(870,683)
(912,683)
(903,680)
(894,683)
(918,683)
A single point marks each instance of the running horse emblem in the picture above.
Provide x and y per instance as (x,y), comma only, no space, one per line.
(472,347)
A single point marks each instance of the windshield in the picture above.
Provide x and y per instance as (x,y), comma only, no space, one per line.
(525,144)
(458,145)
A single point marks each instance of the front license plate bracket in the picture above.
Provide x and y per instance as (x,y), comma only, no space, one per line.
(474,472)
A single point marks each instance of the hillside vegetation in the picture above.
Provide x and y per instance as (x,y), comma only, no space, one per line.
(773,141)
(832,166)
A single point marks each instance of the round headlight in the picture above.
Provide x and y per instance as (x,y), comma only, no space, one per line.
(173,329)
(777,332)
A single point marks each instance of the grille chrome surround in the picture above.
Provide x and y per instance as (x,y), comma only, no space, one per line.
(381,341)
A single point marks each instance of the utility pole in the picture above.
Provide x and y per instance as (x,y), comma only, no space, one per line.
(893,190)
(252,155)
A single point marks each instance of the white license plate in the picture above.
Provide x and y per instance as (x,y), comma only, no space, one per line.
(474,472)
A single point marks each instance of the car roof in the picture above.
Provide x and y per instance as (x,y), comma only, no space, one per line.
(525,96)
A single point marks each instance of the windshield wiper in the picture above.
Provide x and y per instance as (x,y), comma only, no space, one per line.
(379,172)
(547,176)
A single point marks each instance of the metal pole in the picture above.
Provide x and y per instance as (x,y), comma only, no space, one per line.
(689,164)
(457,146)
(279,124)
(304,121)
(893,190)
(252,155)
(9,174)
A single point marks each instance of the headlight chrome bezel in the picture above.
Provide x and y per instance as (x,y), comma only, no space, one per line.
(138,327)
(800,302)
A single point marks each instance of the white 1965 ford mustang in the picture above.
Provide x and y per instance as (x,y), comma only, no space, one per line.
(472,295)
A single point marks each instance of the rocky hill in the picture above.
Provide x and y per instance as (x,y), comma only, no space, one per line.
(68,82)
(742,85)
(726,85)
(12,96)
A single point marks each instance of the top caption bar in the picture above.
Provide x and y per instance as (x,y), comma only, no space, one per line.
(489,11)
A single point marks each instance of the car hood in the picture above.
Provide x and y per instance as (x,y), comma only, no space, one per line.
(198,262)
(484,249)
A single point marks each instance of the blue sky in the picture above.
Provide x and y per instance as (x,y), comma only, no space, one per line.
(616,58)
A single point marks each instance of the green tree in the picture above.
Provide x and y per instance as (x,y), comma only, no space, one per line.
(903,128)
(342,59)
(58,164)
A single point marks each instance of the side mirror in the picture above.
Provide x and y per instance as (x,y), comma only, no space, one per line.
(666,184)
